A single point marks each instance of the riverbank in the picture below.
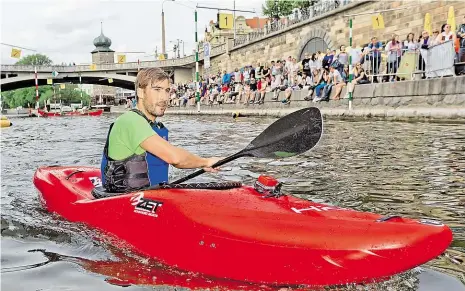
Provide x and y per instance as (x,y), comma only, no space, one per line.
(441,99)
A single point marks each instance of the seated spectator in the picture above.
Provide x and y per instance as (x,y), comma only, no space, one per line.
(281,86)
(359,78)
(322,81)
(262,90)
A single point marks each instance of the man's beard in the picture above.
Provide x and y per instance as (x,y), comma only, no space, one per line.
(150,108)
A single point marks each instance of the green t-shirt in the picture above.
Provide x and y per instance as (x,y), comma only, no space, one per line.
(128,132)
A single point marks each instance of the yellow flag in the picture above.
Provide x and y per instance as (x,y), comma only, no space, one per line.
(451,19)
(62,86)
(428,25)
(15,53)
(226,20)
(377,21)
(49,81)
(121,59)
(161,57)
(93,67)
(110,80)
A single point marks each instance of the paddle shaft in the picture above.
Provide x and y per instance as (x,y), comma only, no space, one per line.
(219,163)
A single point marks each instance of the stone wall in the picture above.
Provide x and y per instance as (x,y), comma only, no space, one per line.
(333,28)
(99,90)
(442,98)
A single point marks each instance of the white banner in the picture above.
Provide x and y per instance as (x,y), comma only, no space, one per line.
(206,55)
(439,60)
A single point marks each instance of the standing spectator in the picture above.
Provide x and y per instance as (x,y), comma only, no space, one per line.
(446,34)
(394,50)
(424,42)
(461,37)
(375,57)
(409,43)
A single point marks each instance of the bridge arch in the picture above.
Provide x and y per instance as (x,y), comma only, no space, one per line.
(316,40)
(28,80)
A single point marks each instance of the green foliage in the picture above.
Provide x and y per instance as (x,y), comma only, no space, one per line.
(35,59)
(278,8)
(27,96)
(282,8)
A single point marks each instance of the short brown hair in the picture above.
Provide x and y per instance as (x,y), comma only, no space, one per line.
(148,76)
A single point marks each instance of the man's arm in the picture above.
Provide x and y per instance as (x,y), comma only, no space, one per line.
(175,156)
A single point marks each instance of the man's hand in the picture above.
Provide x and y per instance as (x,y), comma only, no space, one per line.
(210,163)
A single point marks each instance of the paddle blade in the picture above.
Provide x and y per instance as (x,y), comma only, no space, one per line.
(288,136)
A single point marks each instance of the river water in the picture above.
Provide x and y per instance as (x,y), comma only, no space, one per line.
(410,169)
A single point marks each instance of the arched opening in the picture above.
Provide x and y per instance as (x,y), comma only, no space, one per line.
(313,46)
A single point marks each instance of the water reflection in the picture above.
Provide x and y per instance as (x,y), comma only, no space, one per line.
(411,169)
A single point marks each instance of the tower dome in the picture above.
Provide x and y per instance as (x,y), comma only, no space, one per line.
(102,43)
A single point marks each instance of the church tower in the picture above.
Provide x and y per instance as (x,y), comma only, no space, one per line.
(103,54)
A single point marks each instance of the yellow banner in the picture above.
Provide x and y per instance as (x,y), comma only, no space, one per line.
(15,53)
(110,80)
(428,25)
(407,65)
(121,59)
(93,67)
(226,20)
(49,81)
(377,21)
(451,19)
(161,57)
(62,86)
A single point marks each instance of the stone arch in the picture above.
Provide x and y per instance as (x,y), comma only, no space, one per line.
(315,35)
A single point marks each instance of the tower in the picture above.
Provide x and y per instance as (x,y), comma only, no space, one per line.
(103,54)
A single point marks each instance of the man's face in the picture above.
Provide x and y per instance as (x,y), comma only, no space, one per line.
(155,98)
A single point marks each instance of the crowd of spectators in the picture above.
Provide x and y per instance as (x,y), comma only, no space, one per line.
(318,73)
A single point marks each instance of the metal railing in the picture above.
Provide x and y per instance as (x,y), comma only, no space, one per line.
(129,66)
(275,25)
(409,64)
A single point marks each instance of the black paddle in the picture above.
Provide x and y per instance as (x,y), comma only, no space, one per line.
(288,136)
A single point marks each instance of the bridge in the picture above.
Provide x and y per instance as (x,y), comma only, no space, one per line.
(122,75)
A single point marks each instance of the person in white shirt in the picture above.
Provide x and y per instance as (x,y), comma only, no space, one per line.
(355,54)
(410,45)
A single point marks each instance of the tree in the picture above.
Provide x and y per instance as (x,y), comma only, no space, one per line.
(278,8)
(35,60)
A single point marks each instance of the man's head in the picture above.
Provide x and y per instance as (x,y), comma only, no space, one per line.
(152,91)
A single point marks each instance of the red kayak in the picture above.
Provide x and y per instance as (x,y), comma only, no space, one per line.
(241,234)
(89,113)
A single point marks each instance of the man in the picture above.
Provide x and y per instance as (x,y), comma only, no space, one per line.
(461,37)
(137,153)
(375,56)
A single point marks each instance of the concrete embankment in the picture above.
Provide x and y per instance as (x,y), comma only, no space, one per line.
(435,99)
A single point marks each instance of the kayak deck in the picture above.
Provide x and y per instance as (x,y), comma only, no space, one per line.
(241,235)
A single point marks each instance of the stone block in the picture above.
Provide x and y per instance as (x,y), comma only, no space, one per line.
(405,101)
(364,91)
(449,100)
(460,99)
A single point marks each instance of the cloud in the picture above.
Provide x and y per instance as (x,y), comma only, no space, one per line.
(65,29)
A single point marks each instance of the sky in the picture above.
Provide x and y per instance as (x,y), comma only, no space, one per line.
(64,30)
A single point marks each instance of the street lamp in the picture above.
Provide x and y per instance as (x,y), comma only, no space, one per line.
(163,49)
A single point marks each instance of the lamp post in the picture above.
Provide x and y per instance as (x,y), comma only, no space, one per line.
(163,48)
